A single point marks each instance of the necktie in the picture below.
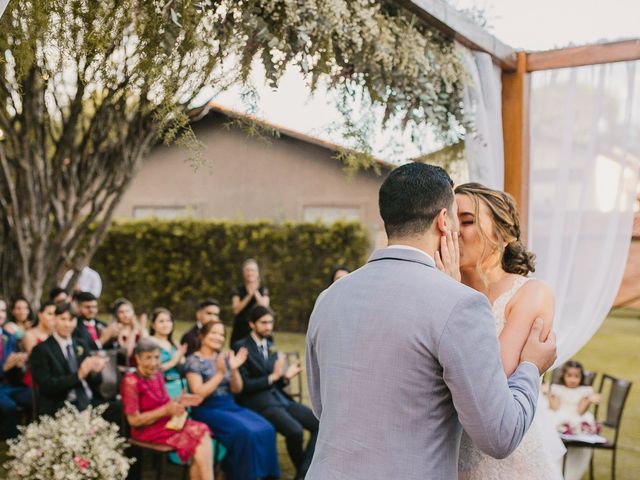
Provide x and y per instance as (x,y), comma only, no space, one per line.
(80,396)
(71,359)
(92,330)
(263,351)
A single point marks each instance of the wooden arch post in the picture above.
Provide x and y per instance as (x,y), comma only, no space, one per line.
(515,127)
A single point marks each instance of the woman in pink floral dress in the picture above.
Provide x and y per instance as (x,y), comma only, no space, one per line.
(148,409)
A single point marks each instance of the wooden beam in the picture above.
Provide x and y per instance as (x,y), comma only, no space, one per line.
(515,130)
(595,54)
(454,24)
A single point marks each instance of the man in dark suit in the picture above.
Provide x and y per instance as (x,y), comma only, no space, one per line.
(207,311)
(89,329)
(264,378)
(63,369)
(12,392)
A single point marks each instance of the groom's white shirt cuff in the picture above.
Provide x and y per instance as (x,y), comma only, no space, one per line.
(409,247)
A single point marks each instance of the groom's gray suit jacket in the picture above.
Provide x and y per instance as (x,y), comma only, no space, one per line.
(400,357)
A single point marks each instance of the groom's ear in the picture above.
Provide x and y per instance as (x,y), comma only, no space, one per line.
(442,221)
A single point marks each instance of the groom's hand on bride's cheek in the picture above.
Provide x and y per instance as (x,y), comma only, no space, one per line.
(542,353)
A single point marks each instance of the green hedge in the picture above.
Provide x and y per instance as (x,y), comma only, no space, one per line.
(175,264)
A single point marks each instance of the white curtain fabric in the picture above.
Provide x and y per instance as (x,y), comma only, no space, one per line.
(484,150)
(585,157)
(3,5)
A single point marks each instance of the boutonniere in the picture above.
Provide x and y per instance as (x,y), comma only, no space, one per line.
(5,338)
(79,350)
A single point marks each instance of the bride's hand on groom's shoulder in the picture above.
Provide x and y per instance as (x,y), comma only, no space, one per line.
(448,257)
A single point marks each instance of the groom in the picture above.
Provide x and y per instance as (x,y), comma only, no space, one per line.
(401,357)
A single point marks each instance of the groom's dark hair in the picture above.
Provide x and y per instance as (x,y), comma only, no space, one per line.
(411,196)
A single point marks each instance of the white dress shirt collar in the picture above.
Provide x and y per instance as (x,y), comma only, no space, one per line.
(259,342)
(63,342)
(409,247)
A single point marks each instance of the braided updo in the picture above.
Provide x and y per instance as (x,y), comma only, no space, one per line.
(515,257)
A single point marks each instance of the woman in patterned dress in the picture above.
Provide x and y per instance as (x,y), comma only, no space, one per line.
(148,409)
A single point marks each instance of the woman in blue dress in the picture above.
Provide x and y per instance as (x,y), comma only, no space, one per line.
(250,440)
(171,357)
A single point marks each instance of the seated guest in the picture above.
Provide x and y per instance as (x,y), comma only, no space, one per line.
(58,295)
(570,400)
(171,357)
(339,272)
(90,330)
(3,312)
(62,368)
(21,318)
(263,378)
(148,409)
(40,332)
(130,330)
(207,311)
(249,439)
(12,393)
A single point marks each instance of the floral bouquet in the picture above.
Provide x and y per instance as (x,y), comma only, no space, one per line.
(70,446)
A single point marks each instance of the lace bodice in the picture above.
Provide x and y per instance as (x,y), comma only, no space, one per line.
(500,303)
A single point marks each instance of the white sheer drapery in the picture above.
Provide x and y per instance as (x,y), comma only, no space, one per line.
(3,5)
(484,150)
(585,156)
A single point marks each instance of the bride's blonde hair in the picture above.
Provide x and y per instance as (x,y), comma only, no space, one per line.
(512,252)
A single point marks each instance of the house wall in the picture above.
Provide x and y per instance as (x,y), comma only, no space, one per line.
(246,178)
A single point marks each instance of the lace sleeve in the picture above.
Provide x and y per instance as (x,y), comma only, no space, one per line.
(130,397)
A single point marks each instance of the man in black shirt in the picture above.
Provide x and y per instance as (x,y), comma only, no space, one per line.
(207,311)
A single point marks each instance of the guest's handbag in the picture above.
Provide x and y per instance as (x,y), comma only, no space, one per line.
(177,421)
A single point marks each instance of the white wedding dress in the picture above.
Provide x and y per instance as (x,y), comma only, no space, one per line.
(539,455)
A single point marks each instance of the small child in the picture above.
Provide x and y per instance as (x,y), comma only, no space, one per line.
(570,400)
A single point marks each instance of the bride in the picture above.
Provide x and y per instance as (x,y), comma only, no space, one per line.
(494,261)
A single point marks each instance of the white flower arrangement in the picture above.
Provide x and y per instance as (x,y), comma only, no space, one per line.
(70,446)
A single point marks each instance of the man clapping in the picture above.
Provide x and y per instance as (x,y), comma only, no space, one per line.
(63,369)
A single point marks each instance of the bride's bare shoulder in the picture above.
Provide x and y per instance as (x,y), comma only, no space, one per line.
(538,289)
(535,296)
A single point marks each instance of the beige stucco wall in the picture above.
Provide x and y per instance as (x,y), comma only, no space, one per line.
(246,179)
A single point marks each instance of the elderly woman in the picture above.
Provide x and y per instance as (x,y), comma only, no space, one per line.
(148,409)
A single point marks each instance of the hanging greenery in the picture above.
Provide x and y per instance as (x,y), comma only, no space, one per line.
(87,88)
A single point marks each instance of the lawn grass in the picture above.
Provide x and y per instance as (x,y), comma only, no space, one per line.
(615,349)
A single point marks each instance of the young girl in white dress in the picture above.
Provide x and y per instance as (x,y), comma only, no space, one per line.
(570,401)
(494,261)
